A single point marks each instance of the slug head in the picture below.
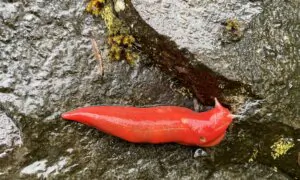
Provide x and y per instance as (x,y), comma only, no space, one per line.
(210,126)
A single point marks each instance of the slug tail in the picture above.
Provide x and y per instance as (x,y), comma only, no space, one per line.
(67,116)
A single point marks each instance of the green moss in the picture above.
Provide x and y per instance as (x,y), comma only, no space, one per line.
(130,56)
(113,24)
(115,52)
(128,40)
(121,47)
(119,39)
(281,147)
(95,6)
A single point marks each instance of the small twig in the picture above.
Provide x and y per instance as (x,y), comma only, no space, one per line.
(98,56)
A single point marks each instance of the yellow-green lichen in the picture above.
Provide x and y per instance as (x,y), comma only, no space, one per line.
(253,156)
(119,39)
(232,25)
(233,30)
(281,146)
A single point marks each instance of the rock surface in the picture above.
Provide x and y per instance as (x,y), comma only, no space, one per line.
(195,25)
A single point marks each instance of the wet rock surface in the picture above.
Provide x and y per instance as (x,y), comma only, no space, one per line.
(47,67)
(195,25)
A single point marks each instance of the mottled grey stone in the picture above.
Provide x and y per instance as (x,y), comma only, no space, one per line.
(47,67)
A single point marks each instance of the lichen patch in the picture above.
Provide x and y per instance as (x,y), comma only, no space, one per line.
(281,147)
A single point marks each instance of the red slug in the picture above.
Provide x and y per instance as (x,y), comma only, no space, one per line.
(162,124)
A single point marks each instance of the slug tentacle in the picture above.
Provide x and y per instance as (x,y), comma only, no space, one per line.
(217,104)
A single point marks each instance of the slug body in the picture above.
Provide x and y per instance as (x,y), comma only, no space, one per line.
(162,124)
